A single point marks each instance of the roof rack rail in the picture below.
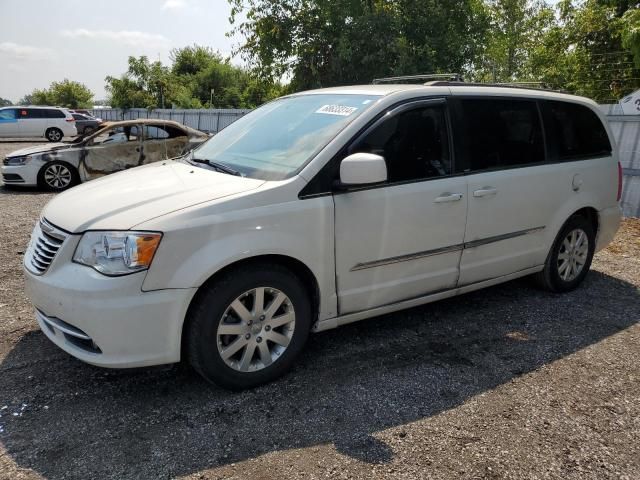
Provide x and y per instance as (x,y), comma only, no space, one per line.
(452,77)
(519,85)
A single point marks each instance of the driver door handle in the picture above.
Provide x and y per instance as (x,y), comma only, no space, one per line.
(448,197)
(485,192)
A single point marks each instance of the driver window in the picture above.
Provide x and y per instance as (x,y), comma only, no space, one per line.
(117,135)
(413,143)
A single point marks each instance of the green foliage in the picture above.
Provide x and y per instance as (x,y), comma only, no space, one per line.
(515,28)
(631,33)
(66,93)
(330,42)
(589,51)
(194,72)
(583,46)
(5,103)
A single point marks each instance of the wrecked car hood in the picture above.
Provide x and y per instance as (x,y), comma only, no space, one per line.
(39,149)
(125,199)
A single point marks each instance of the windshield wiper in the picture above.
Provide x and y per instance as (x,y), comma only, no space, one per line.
(220,167)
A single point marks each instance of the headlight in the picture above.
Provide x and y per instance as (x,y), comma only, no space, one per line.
(117,253)
(13,161)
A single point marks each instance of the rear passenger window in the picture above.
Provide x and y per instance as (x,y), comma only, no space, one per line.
(577,130)
(155,133)
(501,133)
(52,113)
(32,113)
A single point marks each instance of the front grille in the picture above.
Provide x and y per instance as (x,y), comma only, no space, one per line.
(46,240)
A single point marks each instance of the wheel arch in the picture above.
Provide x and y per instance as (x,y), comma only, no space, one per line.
(47,162)
(591,214)
(297,267)
(54,127)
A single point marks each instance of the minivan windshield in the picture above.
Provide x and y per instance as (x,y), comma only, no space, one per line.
(274,141)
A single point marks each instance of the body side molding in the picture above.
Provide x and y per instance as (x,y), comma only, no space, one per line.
(449,249)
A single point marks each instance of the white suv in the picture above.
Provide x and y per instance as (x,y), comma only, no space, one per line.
(53,123)
(319,209)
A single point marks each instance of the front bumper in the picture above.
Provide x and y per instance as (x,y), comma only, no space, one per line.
(106,321)
(19,175)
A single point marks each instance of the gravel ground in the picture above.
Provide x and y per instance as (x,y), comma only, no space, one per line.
(509,382)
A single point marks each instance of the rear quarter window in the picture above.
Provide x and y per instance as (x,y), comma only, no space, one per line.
(53,113)
(576,130)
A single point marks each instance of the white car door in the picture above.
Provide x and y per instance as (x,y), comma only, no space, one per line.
(402,239)
(34,123)
(29,122)
(511,192)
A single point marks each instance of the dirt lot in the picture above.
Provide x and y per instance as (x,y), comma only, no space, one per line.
(508,382)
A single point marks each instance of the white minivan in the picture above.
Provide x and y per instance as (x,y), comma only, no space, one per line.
(319,209)
(53,123)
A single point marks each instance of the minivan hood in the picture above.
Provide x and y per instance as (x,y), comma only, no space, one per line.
(39,149)
(122,200)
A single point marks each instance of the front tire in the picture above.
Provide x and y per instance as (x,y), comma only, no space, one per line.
(570,257)
(54,134)
(248,327)
(58,176)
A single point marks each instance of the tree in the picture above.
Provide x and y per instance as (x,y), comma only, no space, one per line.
(590,50)
(5,103)
(193,59)
(631,33)
(321,43)
(144,85)
(66,93)
(195,71)
(516,27)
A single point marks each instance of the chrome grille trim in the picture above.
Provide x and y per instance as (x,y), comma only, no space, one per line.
(46,240)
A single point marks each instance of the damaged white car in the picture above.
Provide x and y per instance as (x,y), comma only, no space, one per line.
(117,146)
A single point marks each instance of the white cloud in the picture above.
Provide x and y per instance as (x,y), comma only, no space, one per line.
(125,37)
(24,52)
(174,4)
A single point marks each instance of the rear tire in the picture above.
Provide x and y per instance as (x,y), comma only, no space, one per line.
(570,257)
(54,134)
(248,327)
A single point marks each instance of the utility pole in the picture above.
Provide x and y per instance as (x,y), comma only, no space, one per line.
(211,98)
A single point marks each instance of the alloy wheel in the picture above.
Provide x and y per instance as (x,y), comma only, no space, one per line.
(55,135)
(57,176)
(256,329)
(573,254)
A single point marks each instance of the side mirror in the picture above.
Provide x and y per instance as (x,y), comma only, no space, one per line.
(363,169)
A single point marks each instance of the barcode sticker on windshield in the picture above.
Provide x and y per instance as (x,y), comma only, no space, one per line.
(341,110)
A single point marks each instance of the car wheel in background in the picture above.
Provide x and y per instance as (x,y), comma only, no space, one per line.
(570,257)
(247,328)
(53,134)
(58,176)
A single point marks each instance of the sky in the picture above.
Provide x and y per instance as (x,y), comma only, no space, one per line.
(42,41)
